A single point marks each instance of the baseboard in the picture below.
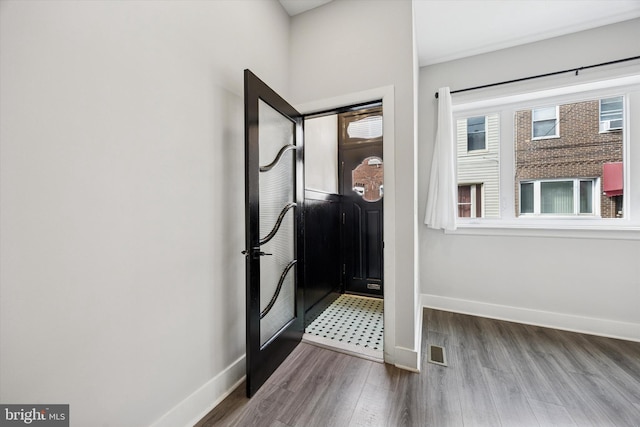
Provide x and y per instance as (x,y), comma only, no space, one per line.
(202,401)
(586,325)
(407,359)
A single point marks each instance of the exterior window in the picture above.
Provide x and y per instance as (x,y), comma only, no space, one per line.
(470,201)
(526,197)
(476,134)
(558,197)
(478,166)
(545,122)
(549,173)
(611,110)
(547,164)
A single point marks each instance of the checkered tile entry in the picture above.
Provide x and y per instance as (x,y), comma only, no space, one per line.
(351,321)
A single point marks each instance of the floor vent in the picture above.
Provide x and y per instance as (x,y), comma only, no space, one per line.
(437,355)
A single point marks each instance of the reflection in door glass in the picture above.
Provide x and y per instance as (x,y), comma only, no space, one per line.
(368,178)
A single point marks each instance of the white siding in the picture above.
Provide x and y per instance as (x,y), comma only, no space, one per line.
(482,166)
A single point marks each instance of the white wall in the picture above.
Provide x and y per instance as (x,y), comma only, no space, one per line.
(591,285)
(349,46)
(121,279)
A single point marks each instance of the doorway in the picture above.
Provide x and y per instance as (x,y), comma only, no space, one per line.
(344,191)
(362,193)
(269,118)
(386,94)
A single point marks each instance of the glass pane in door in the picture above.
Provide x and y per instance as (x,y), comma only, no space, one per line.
(277,224)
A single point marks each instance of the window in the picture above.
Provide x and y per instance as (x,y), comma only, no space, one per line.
(611,111)
(547,167)
(476,133)
(559,197)
(554,166)
(470,201)
(361,126)
(478,152)
(545,122)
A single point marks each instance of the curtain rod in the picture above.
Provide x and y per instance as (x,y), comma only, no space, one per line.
(576,70)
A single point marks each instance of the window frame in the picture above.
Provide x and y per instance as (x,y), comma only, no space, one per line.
(600,123)
(484,132)
(556,127)
(537,197)
(505,105)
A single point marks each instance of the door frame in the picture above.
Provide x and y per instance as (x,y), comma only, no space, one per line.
(386,94)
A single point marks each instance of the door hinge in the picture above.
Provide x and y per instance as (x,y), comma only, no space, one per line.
(344,268)
(343,217)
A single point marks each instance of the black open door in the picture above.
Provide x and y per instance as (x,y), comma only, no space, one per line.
(362,192)
(274,194)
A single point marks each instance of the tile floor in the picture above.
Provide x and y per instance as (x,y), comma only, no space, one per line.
(352,324)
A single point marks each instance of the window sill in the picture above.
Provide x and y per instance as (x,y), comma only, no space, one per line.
(585,229)
(542,138)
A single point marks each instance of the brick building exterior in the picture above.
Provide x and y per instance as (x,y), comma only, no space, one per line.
(579,151)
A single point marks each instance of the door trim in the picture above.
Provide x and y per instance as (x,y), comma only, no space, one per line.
(387,95)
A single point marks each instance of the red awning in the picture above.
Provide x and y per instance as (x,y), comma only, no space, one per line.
(612,179)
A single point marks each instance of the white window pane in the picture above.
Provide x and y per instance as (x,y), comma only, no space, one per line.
(475,124)
(544,113)
(544,128)
(611,104)
(476,141)
(556,197)
(476,134)
(611,110)
(367,128)
(586,197)
(526,197)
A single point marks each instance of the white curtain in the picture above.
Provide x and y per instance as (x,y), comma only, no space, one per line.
(441,198)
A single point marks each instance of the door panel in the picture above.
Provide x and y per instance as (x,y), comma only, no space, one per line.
(362,198)
(323,267)
(274,196)
(374,250)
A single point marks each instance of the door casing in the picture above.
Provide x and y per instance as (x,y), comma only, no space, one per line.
(387,95)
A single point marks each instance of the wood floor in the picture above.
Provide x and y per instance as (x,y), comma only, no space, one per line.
(499,374)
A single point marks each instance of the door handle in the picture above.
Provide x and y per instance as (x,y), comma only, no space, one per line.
(259,254)
(255,252)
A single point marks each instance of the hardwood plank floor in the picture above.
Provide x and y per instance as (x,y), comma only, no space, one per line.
(498,374)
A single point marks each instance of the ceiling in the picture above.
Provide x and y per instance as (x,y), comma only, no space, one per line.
(295,7)
(447,30)
(453,29)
